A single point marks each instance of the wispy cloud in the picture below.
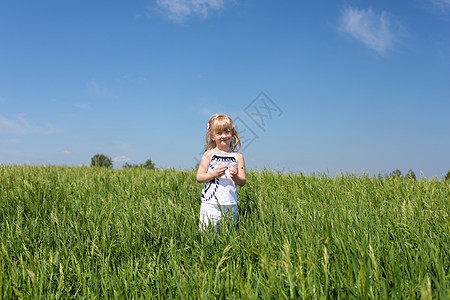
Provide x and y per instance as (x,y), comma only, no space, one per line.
(19,125)
(377,31)
(121,158)
(66,152)
(180,11)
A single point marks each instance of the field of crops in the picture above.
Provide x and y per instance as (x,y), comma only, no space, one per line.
(80,232)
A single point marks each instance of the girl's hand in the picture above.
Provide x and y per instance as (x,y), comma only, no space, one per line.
(233,171)
(220,171)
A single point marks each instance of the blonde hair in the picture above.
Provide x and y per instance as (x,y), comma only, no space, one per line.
(221,122)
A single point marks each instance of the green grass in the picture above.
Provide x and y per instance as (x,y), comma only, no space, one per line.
(79,232)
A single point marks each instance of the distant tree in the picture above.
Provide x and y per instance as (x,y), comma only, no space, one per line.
(396,173)
(411,174)
(148,165)
(128,166)
(447,177)
(382,175)
(101,160)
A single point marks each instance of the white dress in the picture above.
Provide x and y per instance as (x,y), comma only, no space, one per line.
(219,196)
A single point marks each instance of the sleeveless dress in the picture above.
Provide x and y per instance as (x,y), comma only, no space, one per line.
(221,190)
(219,196)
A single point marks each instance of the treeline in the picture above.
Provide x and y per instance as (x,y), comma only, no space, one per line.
(410,175)
(398,173)
(101,160)
(104,161)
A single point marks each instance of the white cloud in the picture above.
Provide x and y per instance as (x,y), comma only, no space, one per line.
(121,158)
(19,125)
(67,152)
(376,31)
(180,10)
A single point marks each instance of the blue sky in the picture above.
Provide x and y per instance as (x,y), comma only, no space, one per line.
(316,86)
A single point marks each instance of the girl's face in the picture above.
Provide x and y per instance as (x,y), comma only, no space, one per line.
(223,139)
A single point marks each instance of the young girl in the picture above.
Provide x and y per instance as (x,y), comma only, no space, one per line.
(221,168)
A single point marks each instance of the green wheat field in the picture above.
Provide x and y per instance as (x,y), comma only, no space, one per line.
(96,233)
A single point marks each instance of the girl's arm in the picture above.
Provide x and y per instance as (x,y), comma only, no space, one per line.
(238,174)
(202,173)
